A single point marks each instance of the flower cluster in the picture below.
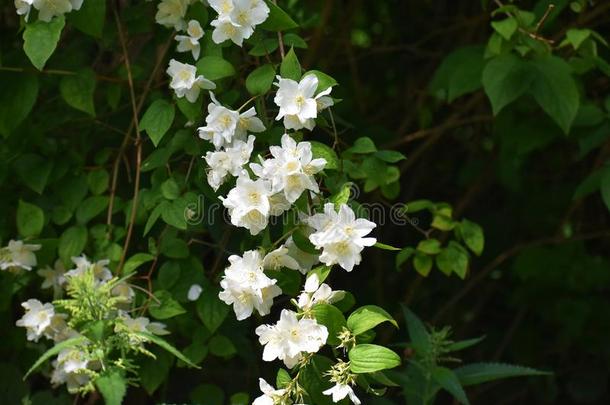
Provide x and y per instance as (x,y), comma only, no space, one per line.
(47,9)
(236,19)
(93,295)
(299,104)
(186,82)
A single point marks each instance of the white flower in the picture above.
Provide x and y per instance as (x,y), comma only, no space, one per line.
(143,324)
(340,236)
(184,81)
(340,391)
(100,269)
(270,395)
(170,13)
(237,19)
(47,9)
(194,292)
(18,255)
(246,287)
(229,161)
(248,204)
(190,42)
(124,291)
(291,337)
(223,124)
(53,277)
(297,99)
(291,169)
(322,103)
(23,7)
(279,258)
(316,293)
(306,260)
(73,381)
(37,318)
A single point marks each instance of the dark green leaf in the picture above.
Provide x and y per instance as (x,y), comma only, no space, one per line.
(40,40)
(260,80)
(215,68)
(290,67)
(278,20)
(77,90)
(17,98)
(478,373)
(90,18)
(30,219)
(450,382)
(157,119)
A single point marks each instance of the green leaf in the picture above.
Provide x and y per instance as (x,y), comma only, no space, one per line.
(77,90)
(112,386)
(98,181)
(290,67)
(278,20)
(259,82)
(383,246)
(90,18)
(422,263)
(34,171)
(173,213)
(368,317)
(450,382)
(390,156)
(343,195)
(363,145)
(576,36)
(136,261)
(320,150)
(222,346)
(463,344)
(293,40)
(429,246)
(170,189)
(303,242)
(91,207)
(167,307)
(40,40)
(506,27)
(505,78)
(403,256)
(453,259)
(473,236)
(215,68)
(367,358)
(30,219)
(555,90)
(418,205)
(331,317)
(162,343)
(72,242)
(322,271)
(157,119)
(419,336)
(264,47)
(58,347)
(282,379)
(478,373)
(154,371)
(324,80)
(459,73)
(211,310)
(17,98)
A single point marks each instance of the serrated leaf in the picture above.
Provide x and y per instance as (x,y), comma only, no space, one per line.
(112,386)
(368,358)
(450,382)
(478,373)
(40,40)
(418,334)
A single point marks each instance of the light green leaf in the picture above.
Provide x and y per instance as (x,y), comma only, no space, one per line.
(367,358)
(506,27)
(17,98)
(30,219)
(40,40)
(453,259)
(331,317)
(170,189)
(324,80)
(384,246)
(112,386)
(290,67)
(215,68)
(58,347)
(90,18)
(478,373)
(505,78)
(429,246)
(260,80)
(422,263)
(278,20)
(320,150)
(166,346)
(136,261)
(157,119)
(368,317)
(390,156)
(166,307)
(72,242)
(363,145)
(473,236)
(450,382)
(576,36)
(77,90)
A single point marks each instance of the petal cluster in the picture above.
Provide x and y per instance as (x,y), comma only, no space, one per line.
(237,19)
(185,82)
(298,102)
